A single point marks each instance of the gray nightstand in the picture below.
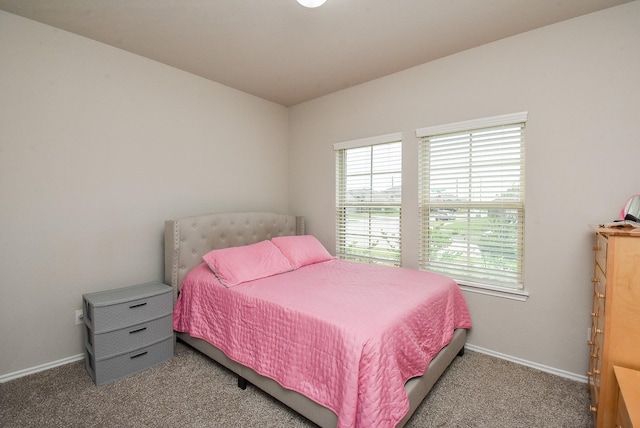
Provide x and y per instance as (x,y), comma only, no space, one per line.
(127,330)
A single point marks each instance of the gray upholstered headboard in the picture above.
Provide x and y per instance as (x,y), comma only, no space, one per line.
(187,239)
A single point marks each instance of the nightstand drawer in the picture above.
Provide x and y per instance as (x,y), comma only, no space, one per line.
(116,342)
(115,309)
(110,369)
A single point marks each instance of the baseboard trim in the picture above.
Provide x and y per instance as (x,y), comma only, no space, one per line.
(40,368)
(541,367)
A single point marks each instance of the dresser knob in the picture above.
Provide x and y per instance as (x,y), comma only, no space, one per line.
(600,295)
(593,409)
(593,314)
(598,331)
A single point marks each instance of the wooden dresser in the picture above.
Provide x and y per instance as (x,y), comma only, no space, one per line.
(615,325)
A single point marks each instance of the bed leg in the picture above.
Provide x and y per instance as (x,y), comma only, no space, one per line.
(242,383)
(461,352)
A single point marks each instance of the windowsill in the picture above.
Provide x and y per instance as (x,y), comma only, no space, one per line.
(505,293)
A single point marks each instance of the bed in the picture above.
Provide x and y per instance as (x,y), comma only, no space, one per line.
(189,239)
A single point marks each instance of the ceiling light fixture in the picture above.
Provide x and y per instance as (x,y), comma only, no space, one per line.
(311,3)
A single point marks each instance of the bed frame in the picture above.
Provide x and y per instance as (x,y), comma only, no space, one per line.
(187,239)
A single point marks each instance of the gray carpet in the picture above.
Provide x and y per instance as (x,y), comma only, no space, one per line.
(192,391)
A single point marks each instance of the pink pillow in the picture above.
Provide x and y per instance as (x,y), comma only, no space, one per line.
(236,265)
(302,250)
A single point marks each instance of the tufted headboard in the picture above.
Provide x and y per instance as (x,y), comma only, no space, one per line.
(187,239)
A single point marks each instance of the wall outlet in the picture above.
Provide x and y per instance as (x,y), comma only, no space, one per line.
(79,317)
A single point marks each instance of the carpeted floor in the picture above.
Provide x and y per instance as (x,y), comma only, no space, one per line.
(192,391)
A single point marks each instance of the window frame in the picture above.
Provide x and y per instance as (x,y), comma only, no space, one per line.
(514,291)
(369,206)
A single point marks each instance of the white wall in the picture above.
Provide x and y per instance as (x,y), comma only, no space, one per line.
(579,81)
(97,148)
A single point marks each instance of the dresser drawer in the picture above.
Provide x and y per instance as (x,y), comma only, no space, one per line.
(599,283)
(110,369)
(118,341)
(595,373)
(598,309)
(594,386)
(115,309)
(601,252)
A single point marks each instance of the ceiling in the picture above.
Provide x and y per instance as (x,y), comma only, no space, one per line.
(283,52)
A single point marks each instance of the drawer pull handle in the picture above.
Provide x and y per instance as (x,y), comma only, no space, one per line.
(139,355)
(138,330)
(598,331)
(138,305)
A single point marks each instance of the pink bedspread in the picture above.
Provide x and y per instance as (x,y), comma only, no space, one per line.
(347,335)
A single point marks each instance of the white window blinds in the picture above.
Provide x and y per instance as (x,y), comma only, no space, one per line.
(369,199)
(472,200)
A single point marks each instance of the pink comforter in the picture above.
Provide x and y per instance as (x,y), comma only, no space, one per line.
(347,335)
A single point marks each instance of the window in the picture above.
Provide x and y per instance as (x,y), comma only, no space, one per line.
(368,199)
(471,196)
